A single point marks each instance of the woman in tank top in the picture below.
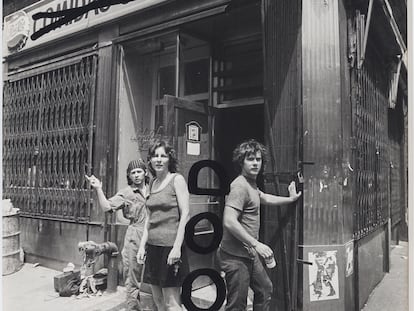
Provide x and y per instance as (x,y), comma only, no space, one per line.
(162,246)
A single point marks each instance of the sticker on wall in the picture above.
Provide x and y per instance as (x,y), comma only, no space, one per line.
(193,130)
(323,276)
(193,148)
(349,249)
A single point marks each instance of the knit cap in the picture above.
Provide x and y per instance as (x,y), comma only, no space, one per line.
(136,164)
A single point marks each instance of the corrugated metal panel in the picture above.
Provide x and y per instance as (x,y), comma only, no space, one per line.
(322,143)
(281,35)
(346,35)
(282,88)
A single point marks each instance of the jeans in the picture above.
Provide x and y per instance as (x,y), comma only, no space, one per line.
(240,274)
(132,270)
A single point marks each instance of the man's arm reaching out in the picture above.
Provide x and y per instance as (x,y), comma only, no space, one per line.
(274,200)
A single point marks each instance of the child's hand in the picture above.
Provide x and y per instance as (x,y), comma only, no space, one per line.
(95,182)
(141,255)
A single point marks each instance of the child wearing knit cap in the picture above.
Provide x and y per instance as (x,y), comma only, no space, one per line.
(131,200)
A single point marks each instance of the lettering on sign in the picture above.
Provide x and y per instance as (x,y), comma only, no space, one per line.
(65,16)
(53,20)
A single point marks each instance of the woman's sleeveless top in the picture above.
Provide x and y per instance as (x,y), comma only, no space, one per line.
(164,215)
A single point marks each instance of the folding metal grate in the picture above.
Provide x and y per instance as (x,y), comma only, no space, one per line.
(48,139)
(371,135)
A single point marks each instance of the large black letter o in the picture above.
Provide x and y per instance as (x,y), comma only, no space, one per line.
(188,284)
(190,229)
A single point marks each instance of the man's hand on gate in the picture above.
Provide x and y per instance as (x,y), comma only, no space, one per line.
(293,194)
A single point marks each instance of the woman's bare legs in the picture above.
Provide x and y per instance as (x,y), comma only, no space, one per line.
(158,296)
(172,298)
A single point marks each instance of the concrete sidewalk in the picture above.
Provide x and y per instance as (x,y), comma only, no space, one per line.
(392,293)
(32,288)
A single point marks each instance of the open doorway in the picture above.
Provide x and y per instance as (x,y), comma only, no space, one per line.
(234,125)
(236,82)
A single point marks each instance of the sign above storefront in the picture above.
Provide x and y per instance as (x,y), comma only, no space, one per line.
(19,27)
(18,31)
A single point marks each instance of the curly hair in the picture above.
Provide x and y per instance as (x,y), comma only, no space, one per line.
(172,163)
(245,149)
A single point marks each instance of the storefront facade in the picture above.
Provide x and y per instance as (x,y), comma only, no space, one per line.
(91,95)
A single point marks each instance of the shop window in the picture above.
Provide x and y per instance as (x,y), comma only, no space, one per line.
(238,74)
(166,76)
(196,74)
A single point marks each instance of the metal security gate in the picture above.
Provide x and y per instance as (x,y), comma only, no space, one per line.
(371,150)
(376,148)
(370,85)
(48,130)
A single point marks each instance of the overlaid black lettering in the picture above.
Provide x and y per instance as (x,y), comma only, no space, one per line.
(218,169)
(188,284)
(190,229)
(62,17)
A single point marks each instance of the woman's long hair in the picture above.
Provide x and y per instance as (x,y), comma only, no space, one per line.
(169,150)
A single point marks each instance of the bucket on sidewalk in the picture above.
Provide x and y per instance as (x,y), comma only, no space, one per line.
(12,261)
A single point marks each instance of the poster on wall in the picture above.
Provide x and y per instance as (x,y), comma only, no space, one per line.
(323,276)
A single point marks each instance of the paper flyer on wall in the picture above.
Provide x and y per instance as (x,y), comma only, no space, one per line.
(323,276)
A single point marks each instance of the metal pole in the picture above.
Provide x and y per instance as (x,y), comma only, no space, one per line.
(364,45)
(112,281)
(177,66)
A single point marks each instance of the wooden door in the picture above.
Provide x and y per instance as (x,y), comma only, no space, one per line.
(185,124)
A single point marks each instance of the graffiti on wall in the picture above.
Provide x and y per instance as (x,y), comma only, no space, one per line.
(145,137)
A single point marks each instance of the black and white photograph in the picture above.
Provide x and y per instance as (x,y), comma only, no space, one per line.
(221,155)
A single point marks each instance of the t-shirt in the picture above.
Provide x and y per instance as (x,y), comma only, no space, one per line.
(245,198)
(132,203)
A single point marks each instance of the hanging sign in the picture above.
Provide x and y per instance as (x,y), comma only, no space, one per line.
(193,135)
(193,148)
(193,130)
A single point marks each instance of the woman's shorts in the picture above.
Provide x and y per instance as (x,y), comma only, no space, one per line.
(158,272)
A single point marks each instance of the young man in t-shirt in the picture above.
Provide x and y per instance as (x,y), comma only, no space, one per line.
(240,249)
